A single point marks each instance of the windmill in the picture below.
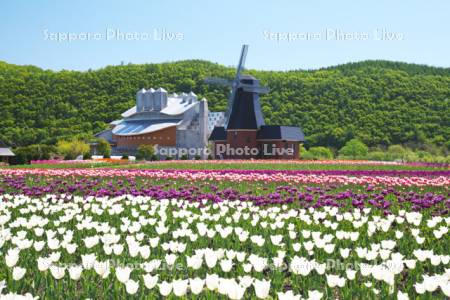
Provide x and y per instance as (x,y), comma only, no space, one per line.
(236,83)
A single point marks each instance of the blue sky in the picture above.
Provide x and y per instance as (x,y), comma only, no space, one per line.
(415,31)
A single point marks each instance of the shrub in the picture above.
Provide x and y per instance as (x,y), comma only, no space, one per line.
(184,157)
(354,149)
(32,152)
(396,152)
(72,149)
(103,148)
(146,152)
(320,153)
(376,155)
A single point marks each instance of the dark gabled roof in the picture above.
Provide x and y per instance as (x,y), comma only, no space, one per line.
(3,145)
(285,133)
(218,134)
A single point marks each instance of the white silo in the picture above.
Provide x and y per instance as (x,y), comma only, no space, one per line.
(192,97)
(149,99)
(160,96)
(140,100)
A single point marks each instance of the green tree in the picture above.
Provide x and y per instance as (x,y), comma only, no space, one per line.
(321,153)
(354,149)
(103,147)
(146,152)
(72,149)
(396,152)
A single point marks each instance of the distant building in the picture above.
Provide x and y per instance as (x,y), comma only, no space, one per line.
(245,134)
(170,121)
(5,153)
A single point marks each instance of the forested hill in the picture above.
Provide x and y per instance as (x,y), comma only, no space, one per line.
(380,102)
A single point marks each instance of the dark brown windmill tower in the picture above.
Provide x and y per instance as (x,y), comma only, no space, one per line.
(245,127)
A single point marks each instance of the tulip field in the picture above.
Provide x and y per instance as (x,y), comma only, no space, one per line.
(180,231)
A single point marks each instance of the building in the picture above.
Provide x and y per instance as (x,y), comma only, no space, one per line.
(5,153)
(245,134)
(171,121)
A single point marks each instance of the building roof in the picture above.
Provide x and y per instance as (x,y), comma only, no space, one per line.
(136,127)
(175,106)
(6,152)
(285,133)
(218,134)
(105,134)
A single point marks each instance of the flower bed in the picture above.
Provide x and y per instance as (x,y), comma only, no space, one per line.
(135,247)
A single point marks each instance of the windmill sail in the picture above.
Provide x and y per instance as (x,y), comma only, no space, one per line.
(236,82)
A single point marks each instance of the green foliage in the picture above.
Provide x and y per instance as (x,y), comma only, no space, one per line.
(72,149)
(321,153)
(25,155)
(396,152)
(378,102)
(354,149)
(146,152)
(376,156)
(103,148)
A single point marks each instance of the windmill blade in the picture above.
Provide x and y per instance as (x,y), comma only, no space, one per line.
(236,82)
(241,63)
(218,81)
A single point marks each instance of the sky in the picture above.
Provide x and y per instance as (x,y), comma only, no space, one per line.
(282,35)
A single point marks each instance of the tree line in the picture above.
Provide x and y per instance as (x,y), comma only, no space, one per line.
(380,103)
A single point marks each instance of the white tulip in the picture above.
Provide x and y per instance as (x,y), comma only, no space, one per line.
(11,257)
(170,259)
(194,262)
(345,252)
(196,285)
(102,269)
(39,245)
(18,273)
(236,291)
(43,264)
(211,260)
(351,274)
(420,288)
(334,280)
(329,248)
(314,295)
(75,272)
(117,249)
(212,281)
(226,265)
(262,288)
(123,274)
(71,248)
(88,261)
(180,287)
(131,286)
(144,251)
(289,295)
(150,281)
(402,296)
(57,271)
(165,288)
